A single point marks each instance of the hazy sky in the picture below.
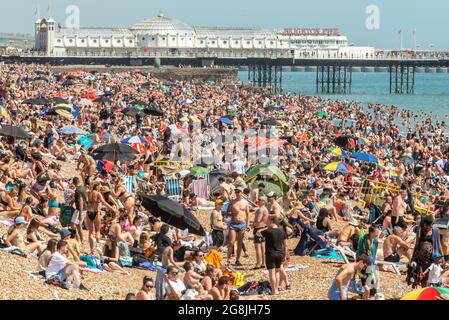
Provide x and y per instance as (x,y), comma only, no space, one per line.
(429,17)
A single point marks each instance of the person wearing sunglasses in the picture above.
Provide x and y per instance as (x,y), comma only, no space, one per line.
(146,292)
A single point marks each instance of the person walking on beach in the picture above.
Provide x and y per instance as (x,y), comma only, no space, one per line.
(275,253)
(217,225)
(339,287)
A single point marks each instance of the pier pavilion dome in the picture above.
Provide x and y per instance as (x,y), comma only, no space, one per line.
(161,25)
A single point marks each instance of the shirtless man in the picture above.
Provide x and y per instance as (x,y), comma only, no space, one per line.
(221,291)
(348,234)
(255,193)
(260,222)
(239,224)
(217,225)
(274,207)
(225,189)
(398,210)
(191,278)
(339,288)
(145,293)
(395,247)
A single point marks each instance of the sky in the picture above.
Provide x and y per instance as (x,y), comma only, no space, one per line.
(428,17)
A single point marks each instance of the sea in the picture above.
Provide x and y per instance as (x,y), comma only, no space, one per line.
(431,91)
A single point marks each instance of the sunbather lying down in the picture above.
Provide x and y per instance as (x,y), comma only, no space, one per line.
(235,295)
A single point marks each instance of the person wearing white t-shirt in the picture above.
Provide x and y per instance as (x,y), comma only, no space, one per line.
(174,287)
(238,166)
(435,272)
(61,269)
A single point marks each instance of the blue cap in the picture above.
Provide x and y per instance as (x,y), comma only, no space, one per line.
(437,256)
(20,220)
(65,233)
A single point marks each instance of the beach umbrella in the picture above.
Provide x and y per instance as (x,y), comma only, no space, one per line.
(429,293)
(138,107)
(72,130)
(198,171)
(115,152)
(321,114)
(173,213)
(40,78)
(153,111)
(187,101)
(270,186)
(363,140)
(407,160)
(342,141)
(339,167)
(59,100)
(270,123)
(102,99)
(64,113)
(37,101)
(230,116)
(86,102)
(300,137)
(226,121)
(439,163)
(64,106)
(131,112)
(135,139)
(14,131)
(363,156)
(68,83)
(338,151)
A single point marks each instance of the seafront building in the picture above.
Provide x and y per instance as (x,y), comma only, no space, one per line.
(161,36)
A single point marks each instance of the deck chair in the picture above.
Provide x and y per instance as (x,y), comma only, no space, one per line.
(394,265)
(347,254)
(174,188)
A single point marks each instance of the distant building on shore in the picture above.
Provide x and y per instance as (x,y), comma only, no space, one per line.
(165,37)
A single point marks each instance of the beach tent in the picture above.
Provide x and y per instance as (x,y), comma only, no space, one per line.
(267,170)
(270,186)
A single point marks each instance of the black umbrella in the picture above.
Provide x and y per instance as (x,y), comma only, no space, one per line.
(270,122)
(59,100)
(14,131)
(37,101)
(114,152)
(173,213)
(132,112)
(152,111)
(342,141)
(68,83)
(40,79)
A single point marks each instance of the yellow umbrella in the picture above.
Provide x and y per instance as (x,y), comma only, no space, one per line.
(64,113)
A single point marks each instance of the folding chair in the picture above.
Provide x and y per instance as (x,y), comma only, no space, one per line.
(173,187)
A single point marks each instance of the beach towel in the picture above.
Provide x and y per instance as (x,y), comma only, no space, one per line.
(327,253)
(199,187)
(92,262)
(295,267)
(148,265)
(214,258)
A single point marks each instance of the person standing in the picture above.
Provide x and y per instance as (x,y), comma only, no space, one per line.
(398,210)
(80,204)
(217,225)
(239,224)
(260,222)
(275,253)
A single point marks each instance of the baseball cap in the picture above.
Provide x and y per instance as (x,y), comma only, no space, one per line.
(20,220)
(218,201)
(271,194)
(65,233)
(437,256)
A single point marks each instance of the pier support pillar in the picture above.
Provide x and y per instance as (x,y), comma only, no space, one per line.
(334,79)
(266,75)
(402,79)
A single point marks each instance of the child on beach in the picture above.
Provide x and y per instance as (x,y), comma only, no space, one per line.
(435,272)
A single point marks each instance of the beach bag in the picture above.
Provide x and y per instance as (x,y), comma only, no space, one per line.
(138,259)
(124,249)
(264,287)
(43,178)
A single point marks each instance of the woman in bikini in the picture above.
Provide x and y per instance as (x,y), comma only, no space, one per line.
(127,199)
(10,209)
(89,165)
(93,219)
(15,238)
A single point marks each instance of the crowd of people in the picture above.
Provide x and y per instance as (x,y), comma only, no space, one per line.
(387,204)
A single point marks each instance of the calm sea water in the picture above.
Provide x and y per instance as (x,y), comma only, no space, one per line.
(431,90)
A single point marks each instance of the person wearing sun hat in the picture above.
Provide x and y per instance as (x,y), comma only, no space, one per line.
(435,271)
(217,225)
